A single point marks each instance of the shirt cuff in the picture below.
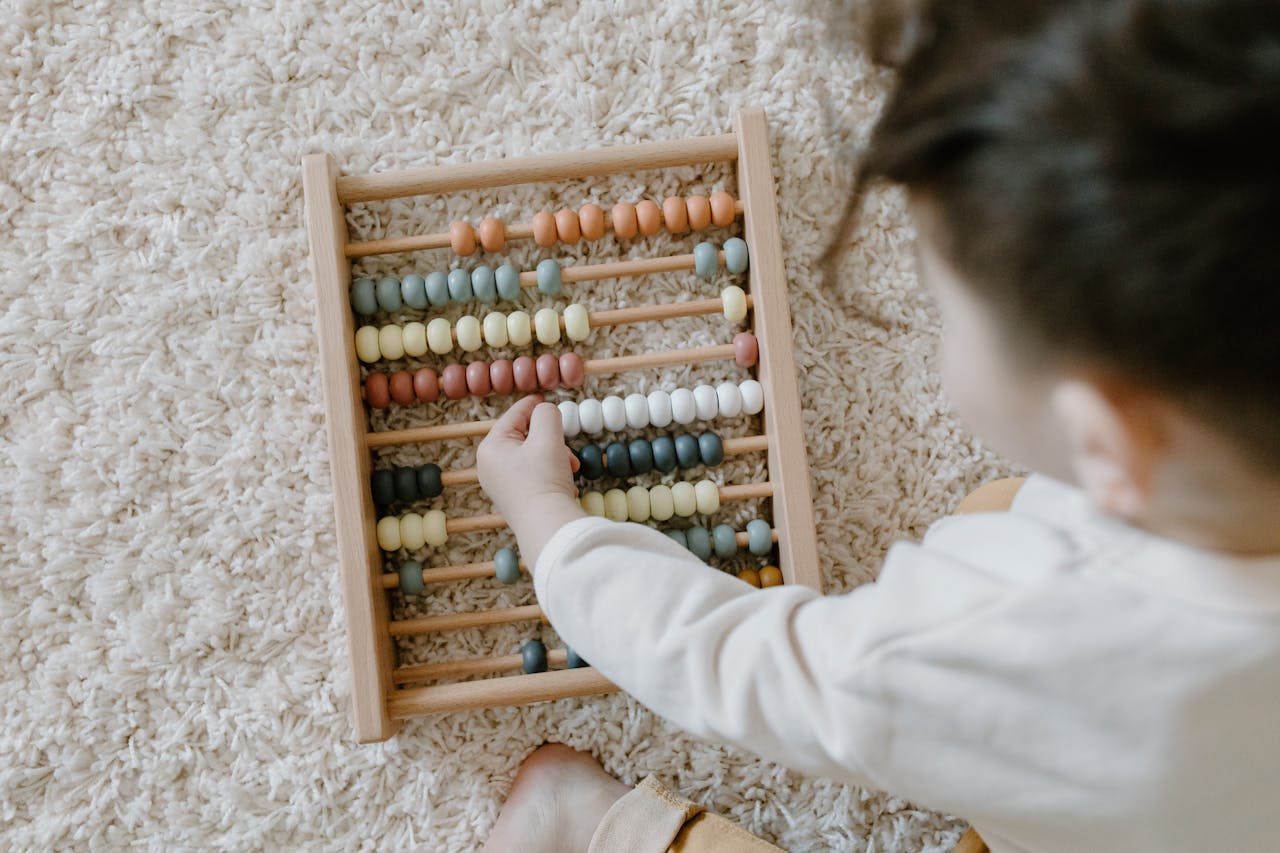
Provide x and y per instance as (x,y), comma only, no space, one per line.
(552,552)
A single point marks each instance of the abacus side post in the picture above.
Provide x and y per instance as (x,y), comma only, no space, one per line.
(363,599)
(787,461)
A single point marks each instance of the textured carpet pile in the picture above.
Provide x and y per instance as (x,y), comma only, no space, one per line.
(172,659)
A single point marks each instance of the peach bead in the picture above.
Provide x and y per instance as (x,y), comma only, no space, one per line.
(746,350)
(648,217)
(526,373)
(675,215)
(572,370)
(567,227)
(591,218)
(699,212)
(722,209)
(544,229)
(478,379)
(493,234)
(401,383)
(548,369)
(623,219)
(750,576)
(377,392)
(426,385)
(454,380)
(770,576)
(462,237)
(501,377)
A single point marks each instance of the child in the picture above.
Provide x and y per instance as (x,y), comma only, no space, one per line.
(1096,187)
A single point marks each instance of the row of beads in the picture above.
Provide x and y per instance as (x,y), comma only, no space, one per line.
(722,540)
(661,502)
(406,484)
(486,284)
(661,408)
(412,531)
(766,577)
(644,455)
(477,378)
(679,215)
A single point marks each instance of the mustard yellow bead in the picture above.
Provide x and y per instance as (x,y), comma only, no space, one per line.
(433,528)
(391,342)
(638,503)
(367,344)
(495,329)
(415,339)
(389,533)
(547,324)
(684,499)
(592,503)
(519,330)
(469,337)
(615,505)
(440,336)
(707,496)
(576,325)
(734,301)
(770,576)
(750,576)
(411,536)
(661,506)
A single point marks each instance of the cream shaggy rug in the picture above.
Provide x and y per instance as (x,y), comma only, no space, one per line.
(172,650)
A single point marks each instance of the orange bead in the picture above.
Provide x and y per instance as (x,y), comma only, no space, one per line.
(750,576)
(623,218)
(462,237)
(591,218)
(770,576)
(544,229)
(401,383)
(648,217)
(722,209)
(493,234)
(567,227)
(675,215)
(699,208)
(377,392)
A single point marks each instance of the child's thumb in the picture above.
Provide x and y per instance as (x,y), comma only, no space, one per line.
(545,427)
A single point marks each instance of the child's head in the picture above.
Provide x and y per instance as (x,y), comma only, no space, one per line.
(1096,186)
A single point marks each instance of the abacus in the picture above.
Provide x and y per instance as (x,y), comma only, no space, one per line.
(383,552)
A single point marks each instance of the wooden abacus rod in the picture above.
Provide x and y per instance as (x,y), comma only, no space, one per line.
(426,672)
(557,166)
(408,702)
(469,619)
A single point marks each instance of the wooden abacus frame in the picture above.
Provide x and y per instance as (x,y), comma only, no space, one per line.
(378,703)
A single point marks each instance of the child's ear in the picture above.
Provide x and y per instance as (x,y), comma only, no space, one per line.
(1113,442)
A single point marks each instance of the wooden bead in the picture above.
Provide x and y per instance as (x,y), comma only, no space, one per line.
(752,396)
(411,537)
(544,229)
(377,391)
(548,369)
(568,229)
(414,339)
(401,387)
(363,298)
(470,337)
(615,413)
(677,536)
(706,260)
(623,219)
(502,378)
(734,302)
(433,528)
(699,208)
(699,542)
(546,324)
(525,371)
(637,410)
(707,497)
(638,503)
(591,415)
(389,533)
(577,327)
(454,381)
(661,504)
(759,537)
(429,481)
(506,567)
(413,288)
(710,449)
(723,210)
(746,349)
(483,284)
(519,329)
(495,329)
(493,234)
(683,410)
(572,370)
(507,280)
(728,400)
(684,498)
(478,382)
(438,288)
(411,578)
(648,217)
(391,342)
(724,541)
(367,344)
(549,278)
(388,294)
(770,576)
(426,385)
(460,289)
(705,402)
(617,460)
(533,657)
(592,462)
(592,503)
(659,403)
(440,336)
(462,237)
(687,454)
(735,255)
(750,576)
(569,423)
(675,215)
(591,220)
(615,505)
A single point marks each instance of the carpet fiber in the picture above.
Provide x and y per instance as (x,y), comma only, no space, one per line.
(172,656)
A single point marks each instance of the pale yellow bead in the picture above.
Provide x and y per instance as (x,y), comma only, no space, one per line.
(411,536)
(367,344)
(469,337)
(519,329)
(433,529)
(638,503)
(389,533)
(592,503)
(661,506)
(440,336)
(547,324)
(707,496)
(576,325)
(684,499)
(415,339)
(495,329)
(734,301)
(615,505)
(391,342)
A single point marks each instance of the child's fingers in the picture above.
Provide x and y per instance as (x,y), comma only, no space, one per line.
(574,462)
(545,427)
(514,423)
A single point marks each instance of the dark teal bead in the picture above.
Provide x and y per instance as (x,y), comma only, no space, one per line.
(506,567)
(414,291)
(735,255)
(711,449)
(429,483)
(460,285)
(383,482)
(508,279)
(549,277)
(724,540)
(687,450)
(484,285)
(664,453)
(677,536)
(641,456)
(388,291)
(617,459)
(534,656)
(699,542)
(438,289)
(411,578)
(406,485)
(573,660)
(759,537)
(706,260)
(363,298)
(592,467)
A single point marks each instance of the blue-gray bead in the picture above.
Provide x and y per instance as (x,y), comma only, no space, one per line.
(759,537)
(573,660)
(735,255)
(460,285)
(411,578)
(363,298)
(641,456)
(706,260)
(549,276)
(664,453)
(414,291)
(388,291)
(724,540)
(534,656)
(592,467)
(699,542)
(484,284)
(406,484)
(383,482)
(438,289)
(677,536)
(506,567)
(508,278)
(617,459)
(711,449)
(687,450)
(429,483)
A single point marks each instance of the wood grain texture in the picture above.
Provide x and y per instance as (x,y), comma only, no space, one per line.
(491,692)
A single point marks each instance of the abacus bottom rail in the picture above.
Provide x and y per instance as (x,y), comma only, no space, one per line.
(403,703)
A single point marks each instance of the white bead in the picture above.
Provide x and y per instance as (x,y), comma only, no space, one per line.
(734,301)
(592,503)
(638,503)
(684,499)
(706,495)
(411,536)
(752,396)
(389,533)
(591,416)
(415,339)
(661,505)
(683,410)
(519,330)
(433,528)
(495,329)
(729,400)
(615,413)
(637,411)
(440,336)
(576,325)
(547,324)
(469,336)
(706,403)
(367,344)
(615,505)
(391,342)
(659,408)
(569,417)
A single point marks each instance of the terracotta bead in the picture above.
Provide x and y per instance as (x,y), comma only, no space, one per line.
(591,219)
(567,227)
(572,370)
(722,209)
(454,380)
(746,350)
(377,391)
(426,385)
(501,377)
(401,383)
(526,373)
(648,217)
(699,207)
(548,369)
(478,379)
(462,237)
(675,215)
(493,234)
(623,219)
(544,229)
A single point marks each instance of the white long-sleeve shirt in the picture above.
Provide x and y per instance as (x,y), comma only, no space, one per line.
(1063,680)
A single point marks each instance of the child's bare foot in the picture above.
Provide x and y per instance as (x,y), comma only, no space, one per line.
(556,803)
